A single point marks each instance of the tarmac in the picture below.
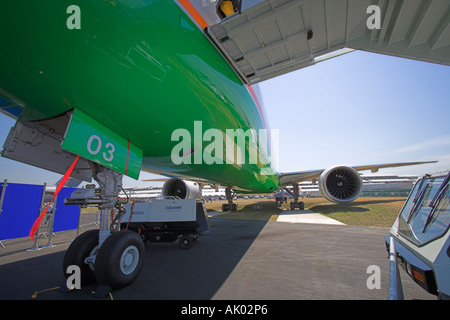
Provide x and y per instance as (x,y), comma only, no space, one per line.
(313,259)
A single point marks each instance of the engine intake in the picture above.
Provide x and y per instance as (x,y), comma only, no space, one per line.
(182,189)
(340,184)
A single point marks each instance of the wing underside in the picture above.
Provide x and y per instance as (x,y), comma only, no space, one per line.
(288,178)
(299,176)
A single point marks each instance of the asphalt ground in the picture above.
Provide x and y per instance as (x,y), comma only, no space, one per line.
(239,260)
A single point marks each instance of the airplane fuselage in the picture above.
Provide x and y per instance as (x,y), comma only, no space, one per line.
(142,69)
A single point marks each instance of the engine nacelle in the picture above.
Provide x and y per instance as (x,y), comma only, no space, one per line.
(182,189)
(340,184)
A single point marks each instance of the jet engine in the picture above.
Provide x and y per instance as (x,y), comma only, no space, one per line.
(182,189)
(340,184)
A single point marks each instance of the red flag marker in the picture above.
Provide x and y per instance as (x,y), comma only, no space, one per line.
(61,184)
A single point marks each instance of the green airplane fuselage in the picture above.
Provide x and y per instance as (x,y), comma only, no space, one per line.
(140,68)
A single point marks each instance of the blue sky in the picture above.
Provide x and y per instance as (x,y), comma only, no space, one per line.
(360,108)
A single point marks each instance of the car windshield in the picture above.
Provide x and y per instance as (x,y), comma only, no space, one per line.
(423,220)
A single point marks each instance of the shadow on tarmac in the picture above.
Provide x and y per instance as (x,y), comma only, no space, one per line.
(239,260)
(169,272)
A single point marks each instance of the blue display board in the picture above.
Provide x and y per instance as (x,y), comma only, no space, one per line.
(20,209)
(66,217)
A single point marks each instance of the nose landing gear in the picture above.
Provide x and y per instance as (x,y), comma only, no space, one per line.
(112,258)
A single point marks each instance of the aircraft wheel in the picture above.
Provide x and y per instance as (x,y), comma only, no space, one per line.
(224,207)
(82,247)
(301,205)
(119,260)
(234,207)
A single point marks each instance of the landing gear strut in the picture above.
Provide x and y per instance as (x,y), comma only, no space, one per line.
(293,205)
(113,258)
(230,206)
(296,204)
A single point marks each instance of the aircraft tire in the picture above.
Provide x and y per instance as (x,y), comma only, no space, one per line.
(120,259)
(301,205)
(80,249)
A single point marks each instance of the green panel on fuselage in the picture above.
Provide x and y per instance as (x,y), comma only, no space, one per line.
(142,69)
(91,140)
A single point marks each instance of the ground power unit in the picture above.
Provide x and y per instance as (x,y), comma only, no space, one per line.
(167,220)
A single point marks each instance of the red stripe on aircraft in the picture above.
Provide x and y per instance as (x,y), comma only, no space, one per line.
(258,105)
(194,13)
(128,156)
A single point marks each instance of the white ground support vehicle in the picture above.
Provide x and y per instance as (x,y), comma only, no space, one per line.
(419,239)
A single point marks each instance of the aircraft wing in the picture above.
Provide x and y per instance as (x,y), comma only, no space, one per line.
(288,178)
(269,38)
(295,177)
